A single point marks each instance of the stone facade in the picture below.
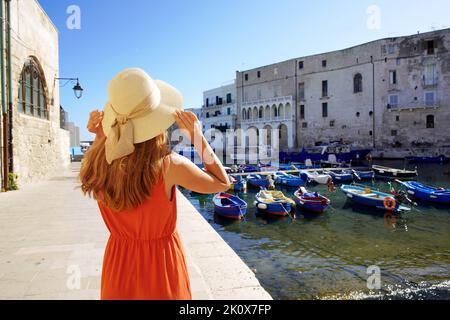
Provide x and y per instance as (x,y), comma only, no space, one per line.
(389,92)
(40,146)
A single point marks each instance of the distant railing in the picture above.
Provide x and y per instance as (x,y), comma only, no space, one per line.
(275,100)
(258,120)
(424,105)
(224,104)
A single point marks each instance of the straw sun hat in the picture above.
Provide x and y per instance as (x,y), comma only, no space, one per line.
(139,109)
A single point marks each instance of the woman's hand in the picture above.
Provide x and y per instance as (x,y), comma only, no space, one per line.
(95,120)
(189,124)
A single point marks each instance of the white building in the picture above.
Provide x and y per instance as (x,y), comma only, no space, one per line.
(219,109)
(74,132)
(38,147)
(385,93)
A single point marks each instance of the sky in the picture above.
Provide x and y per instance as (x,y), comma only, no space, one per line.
(197,45)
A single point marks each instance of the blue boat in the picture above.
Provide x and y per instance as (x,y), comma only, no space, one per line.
(311,201)
(363,175)
(288,180)
(257,181)
(438,159)
(284,167)
(425,193)
(274,203)
(229,206)
(340,176)
(374,199)
(342,152)
(238,183)
(248,168)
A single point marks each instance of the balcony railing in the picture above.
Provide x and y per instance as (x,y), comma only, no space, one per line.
(271,119)
(224,104)
(430,81)
(423,105)
(271,101)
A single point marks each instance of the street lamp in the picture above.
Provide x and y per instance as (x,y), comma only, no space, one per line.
(77,89)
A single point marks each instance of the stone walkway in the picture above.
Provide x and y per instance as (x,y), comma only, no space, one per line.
(52,241)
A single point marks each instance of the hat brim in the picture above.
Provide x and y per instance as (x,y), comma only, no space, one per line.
(155,123)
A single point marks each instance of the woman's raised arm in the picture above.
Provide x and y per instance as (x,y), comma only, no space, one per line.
(184,173)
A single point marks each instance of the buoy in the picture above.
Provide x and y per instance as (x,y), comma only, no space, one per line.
(390,203)
(262,206)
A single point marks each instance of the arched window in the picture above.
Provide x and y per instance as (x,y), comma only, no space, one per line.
(357,83)
(244,114)
(430,121)
(32,97)
(261,113)
(275,111)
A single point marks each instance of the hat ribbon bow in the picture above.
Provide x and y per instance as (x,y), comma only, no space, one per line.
(120,141)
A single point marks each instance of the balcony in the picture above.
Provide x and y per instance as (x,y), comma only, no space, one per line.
(423,105)
(224,104)
(265,120)
(270,102)
(428,82)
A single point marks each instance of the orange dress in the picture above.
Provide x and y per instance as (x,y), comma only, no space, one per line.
(144,258)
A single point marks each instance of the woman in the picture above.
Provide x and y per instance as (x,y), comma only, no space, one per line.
(133,176)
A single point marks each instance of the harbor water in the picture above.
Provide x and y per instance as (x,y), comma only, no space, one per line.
(327,256)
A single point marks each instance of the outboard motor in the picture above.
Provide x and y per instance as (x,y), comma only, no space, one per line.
(402,197)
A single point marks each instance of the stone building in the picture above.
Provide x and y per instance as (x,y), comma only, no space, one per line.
(387,93)
(40,147)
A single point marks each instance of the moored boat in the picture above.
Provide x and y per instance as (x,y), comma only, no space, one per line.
(340,176)
(382,172)
(284,167)
(274,203)
(248,169)
(363,175)
(238,183)
(257,181)
(421,192)
(288,180)
(342,152)
(315,176)
(311,202)
(375,199)
(229,206)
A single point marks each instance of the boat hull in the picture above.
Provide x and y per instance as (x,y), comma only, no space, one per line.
(423,193)
(281,207)
(354,156)
(289,180)
(235,211)
(365,175)
(376,203)
(239,186)
(275,209)
(315,178)
(258,183)
(381,173)
(341,177)
(314,205)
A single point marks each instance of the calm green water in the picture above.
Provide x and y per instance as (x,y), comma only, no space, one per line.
(327,256)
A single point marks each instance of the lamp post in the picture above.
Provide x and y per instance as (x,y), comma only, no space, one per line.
(77,89)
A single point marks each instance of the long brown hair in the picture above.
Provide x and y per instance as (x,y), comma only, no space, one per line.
(127,182)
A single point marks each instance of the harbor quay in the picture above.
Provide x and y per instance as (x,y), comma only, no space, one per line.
(52,242)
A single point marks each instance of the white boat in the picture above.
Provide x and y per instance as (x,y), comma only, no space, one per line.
(315,176)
